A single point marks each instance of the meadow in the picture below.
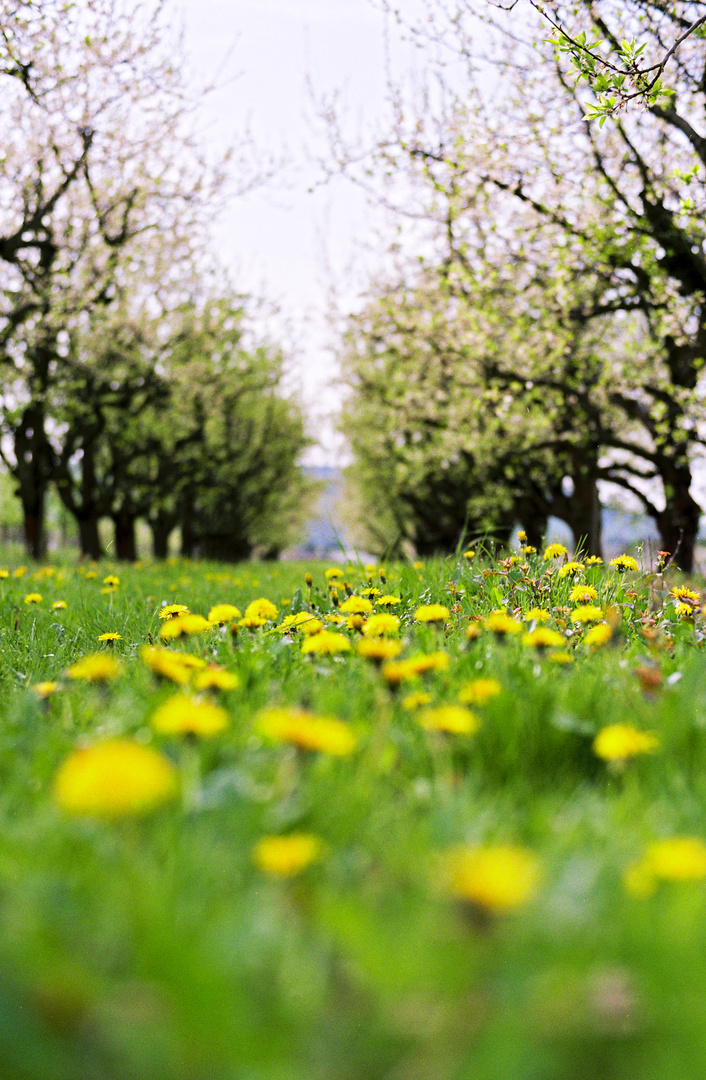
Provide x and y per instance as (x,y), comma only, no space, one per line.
(440,821)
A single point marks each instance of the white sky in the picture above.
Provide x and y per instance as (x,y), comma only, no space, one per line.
(281,241)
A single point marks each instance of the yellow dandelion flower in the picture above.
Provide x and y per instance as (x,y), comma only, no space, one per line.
(310,732)
(587,613)
(571,569)
(303,620)
(624,562)
(561,657)
(594,560)
(327,643)
(378,649)
(357,605)
(114,779)
(494,879)
(417,566)
(45,689)
(170,611)
(415,701)
(98,667)
(111,581)
(223,613)
(180,625)
(332,573)
(167,664)
(33,598)
(472,631)
(544,638)
(554,551)
(183,715)
(536,614)
(431,613)
(479,691)
(4,574)
(252,622)
(501,624)
(396,671)
(261,609)
(381,625)
(110,637)
(522,536)
(452,719)
(216,678)
(284,856)
(689,596)
(680,858)
(19,571)
(388,601)
(598,635)
(618,742)
(583,594)
(469,554)
(58,605)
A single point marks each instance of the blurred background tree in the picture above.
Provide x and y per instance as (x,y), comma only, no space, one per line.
(610,219)
(126,383)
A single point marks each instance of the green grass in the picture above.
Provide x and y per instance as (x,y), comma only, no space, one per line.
(154,947)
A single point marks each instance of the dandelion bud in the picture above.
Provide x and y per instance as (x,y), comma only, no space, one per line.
(334,597)
(309,580)
(381,573)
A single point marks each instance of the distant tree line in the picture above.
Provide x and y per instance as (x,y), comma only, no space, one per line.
(129,380)
(547,334)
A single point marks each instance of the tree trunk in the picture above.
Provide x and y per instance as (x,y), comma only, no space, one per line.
(88,537)
(226,547)
(34,530)
(161,532)
(125,541)
(586,517)
(678,523)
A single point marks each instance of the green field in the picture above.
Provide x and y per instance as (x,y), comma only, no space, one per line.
(336,866)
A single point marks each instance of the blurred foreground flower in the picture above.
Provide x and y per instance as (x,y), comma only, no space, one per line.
(618,742)
(494,879)
(98,667)
(452,719)
(223,613)
(598,635)
(378,649)
(478,691)
(501,623)
(310,732)
(284,856)
(543,638)
(431,613)
(186,624)
(114,779)
(177,667)
(183,715)
(327,643)
(681,858)
(381,625)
